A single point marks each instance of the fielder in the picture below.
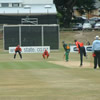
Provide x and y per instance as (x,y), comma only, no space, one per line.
(18,49)
(45,54)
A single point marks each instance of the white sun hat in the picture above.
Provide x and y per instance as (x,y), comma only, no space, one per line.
(97,37)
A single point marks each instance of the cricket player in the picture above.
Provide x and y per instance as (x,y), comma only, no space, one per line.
(45,54)
(18,49)
(81,50)
(96,51)
(67,50)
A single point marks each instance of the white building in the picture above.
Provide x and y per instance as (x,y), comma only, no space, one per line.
(17,9)
(21,3)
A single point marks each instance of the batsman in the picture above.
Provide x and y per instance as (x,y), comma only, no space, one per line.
(67,50)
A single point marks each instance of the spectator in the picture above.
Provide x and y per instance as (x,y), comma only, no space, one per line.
(88,43)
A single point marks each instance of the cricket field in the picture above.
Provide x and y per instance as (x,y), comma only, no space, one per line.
(35,78)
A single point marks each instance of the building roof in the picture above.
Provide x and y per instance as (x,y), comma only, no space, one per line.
(11,1)
(28,1)
(29,9)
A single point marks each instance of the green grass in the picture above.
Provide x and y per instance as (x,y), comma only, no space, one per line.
(34,78)
(27,65)
(38,80)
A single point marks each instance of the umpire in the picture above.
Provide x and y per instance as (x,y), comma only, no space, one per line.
(96,51)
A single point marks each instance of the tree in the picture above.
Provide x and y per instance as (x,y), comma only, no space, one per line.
(65,8)
(85,6)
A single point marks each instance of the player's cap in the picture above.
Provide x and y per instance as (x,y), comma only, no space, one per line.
(75,40)
(97,37)
(63,41)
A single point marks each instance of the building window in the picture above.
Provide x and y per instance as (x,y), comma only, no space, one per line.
(15,5)
(4,5)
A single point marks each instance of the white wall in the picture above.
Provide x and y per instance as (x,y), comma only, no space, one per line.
(38,1)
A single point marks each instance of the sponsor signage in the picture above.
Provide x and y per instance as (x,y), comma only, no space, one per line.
(31,49)
(75,49)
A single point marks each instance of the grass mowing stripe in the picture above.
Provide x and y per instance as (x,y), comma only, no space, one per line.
(28,65)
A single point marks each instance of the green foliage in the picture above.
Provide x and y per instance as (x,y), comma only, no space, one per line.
(85,6)
(65,8)
(59,15)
